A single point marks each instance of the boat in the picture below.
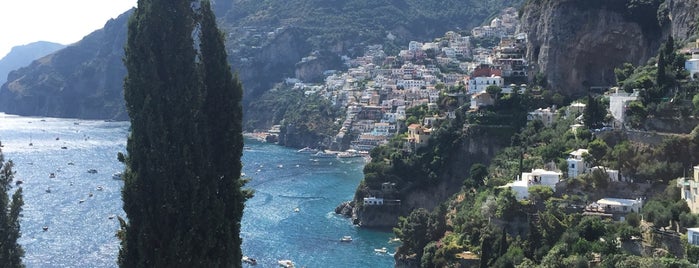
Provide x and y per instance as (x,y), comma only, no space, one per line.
(81,201)
(64,147)
(52,175)
(92,171)
(100,188)
(48,190)
(111,217)
(307,150)
(45,228)
(324,154)
(346,238)
(286,263)
(116,176)
(382,250)
(249,260)
(394,240)
(18,182)
(71,164)
(297,209)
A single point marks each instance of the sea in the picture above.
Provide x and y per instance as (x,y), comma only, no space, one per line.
(72,201)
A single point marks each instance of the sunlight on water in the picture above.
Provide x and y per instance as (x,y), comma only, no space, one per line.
(80,208)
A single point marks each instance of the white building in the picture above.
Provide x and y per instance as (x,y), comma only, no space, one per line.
(576,163)
(693,236)
(616,205)
(690,190)
(692,66)
(618,103)
(373,201)
(545,115)
(575,109)
(529,179)
(479,84)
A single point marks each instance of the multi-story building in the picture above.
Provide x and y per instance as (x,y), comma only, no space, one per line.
(690,190)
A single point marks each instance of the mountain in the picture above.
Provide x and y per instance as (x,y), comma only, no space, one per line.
(23,55)
(578,43)
(83,80)
(266,41)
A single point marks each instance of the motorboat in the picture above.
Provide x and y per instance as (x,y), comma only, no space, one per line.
(249,260)
(100,188)
(348,154)
(382,250)
(346,238)
(286,263)
(48,190)
(52,175)
(116,176)
(45,228)
(308,150)
(324,154)
(92,171)
(297,209)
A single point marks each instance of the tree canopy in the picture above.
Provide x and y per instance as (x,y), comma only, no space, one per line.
(182,188)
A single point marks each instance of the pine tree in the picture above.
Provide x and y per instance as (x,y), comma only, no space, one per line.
(182,188)
(11,252)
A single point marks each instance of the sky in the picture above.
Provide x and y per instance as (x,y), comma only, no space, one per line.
(60,21)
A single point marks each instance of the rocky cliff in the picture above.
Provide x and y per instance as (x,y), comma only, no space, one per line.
(265,41)
(479,145)
(21,56)
(578,43)
(83,80)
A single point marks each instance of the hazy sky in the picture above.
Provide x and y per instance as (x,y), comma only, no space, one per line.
(60,21)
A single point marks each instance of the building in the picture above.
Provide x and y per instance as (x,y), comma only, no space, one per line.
(616,208)
(418,136)
(481,99)
(479,84)
(529,179)
(545,115)
(576,163)
(693,236)
(373,201)
(575,109)
(692,66)
(690,190)
(618,103)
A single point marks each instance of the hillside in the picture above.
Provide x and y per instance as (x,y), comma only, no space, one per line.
(578,43)
(266,41)
(23,55)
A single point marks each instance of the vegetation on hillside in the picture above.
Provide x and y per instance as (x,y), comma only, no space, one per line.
(182,187)
(11,251)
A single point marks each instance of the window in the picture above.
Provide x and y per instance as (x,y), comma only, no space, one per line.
(572,165)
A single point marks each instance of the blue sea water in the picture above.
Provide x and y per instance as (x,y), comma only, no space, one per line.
(80,208)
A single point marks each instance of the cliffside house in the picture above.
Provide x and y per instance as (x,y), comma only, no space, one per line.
(692,64)
(418,136)
(690,190)
(545,115)
(693,236)
(618,103)
(575,109)
(616,208)
(576,163)
(529,179)
(479,84)
(373,201)
(481,99)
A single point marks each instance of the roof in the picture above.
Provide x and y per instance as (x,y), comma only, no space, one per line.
(618,201)
(579,152)
(413,126)
(540,172)
(694,229)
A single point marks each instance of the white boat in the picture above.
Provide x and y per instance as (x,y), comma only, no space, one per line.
(286,263)
(325,155)
(297,209)
(249,260)
(308,150)
(116,176)
(347,154)
(346,238)
(382,250)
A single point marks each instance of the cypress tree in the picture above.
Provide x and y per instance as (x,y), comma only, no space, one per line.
(182,181)
(11,252)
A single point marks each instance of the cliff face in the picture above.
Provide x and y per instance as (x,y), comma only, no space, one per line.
(21,56)
(578,46)
(479,145)
(684,17)
(83,80)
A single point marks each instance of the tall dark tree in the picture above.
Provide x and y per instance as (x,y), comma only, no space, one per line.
(182,188)
(594,113)
(11,252)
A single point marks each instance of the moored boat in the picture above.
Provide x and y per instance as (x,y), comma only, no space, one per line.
(249,260)
(286,263)
(382,250)
(346,238)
